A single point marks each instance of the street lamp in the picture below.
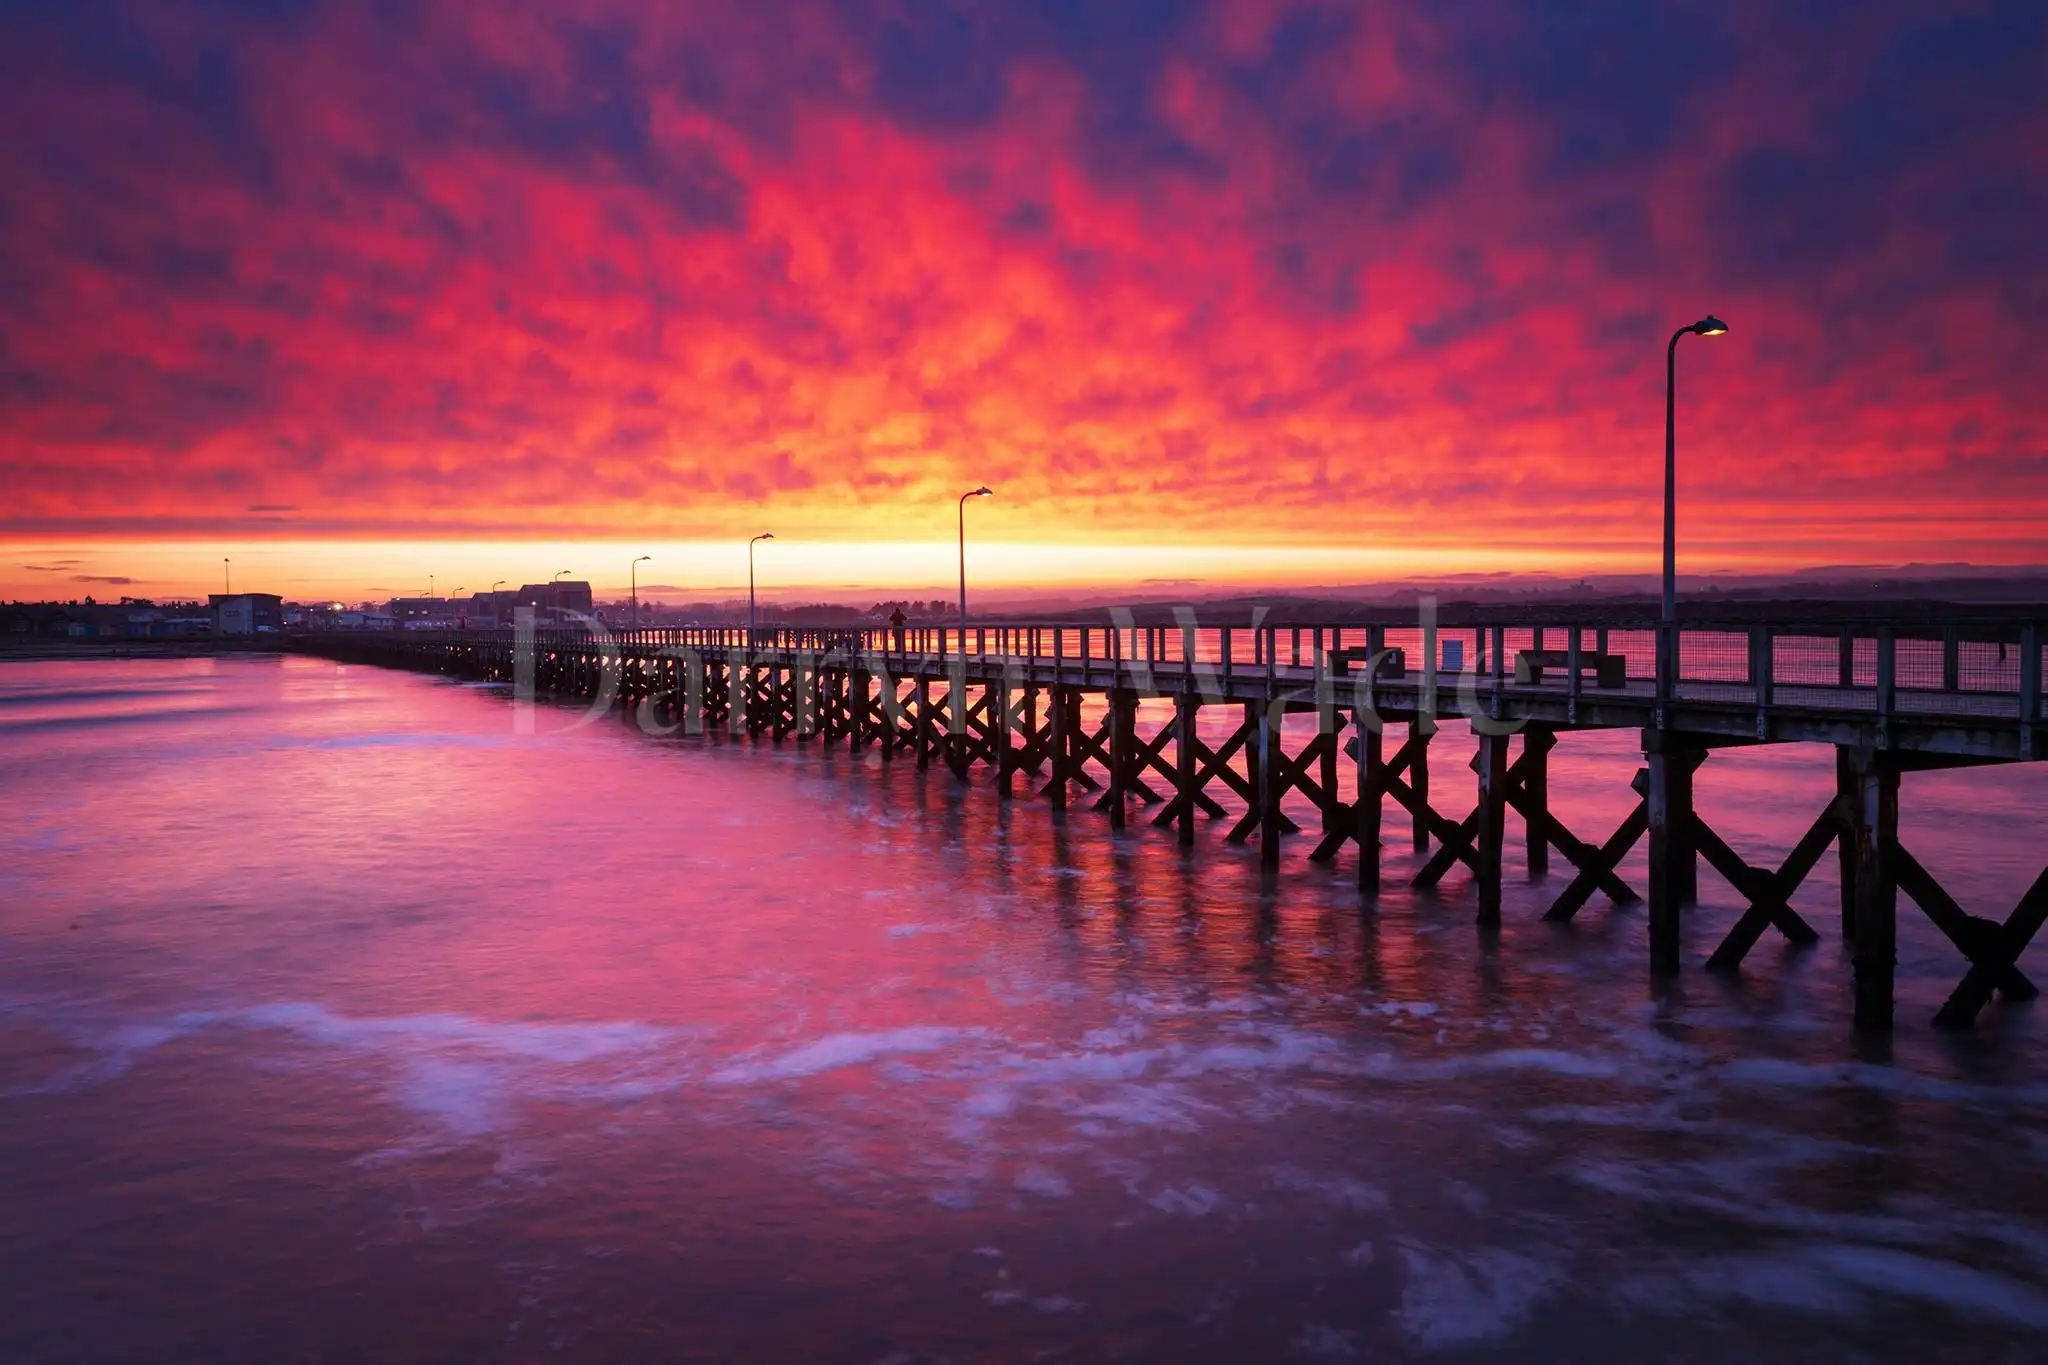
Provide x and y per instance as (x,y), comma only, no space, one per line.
(1708,326)
(227,585)
(982,492)
(765,535)
(633,570)
(561,574)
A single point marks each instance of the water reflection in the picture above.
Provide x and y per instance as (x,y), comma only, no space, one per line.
(338,1016)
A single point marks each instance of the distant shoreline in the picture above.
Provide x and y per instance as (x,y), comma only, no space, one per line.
(48,650)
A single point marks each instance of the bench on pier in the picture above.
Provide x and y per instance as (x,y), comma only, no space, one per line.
(1608,670)
(1394,666)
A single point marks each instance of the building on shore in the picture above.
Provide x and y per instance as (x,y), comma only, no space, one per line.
(552,603)
(247,613)
(488,610)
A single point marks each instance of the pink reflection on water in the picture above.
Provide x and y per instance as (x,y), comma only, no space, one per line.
(549,1005)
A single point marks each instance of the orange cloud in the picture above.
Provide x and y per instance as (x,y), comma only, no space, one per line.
(1168,275)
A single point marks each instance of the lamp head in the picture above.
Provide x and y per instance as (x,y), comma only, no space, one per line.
(982,492)
(643,559)
(1710,326)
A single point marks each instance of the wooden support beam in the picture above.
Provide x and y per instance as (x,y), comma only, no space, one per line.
(1977,937)
(921,721)
(1000,734)
(1607,857)
(1491,765)
(1034,734)
(1214,765)
(855,708)
(1769,893)
(1845,792)
(1379,779)
(1419,732)
(1537,742)
(1455,843)
(1123,742)
(1876,825)
(1458,842)
(1671,761)
(1583,857)
(1255,746)
(1277,771)
(1664,897)
(1058,705)
(1994,964)
(1685,857)
(693,693)
(899,722)
(1268,789)
(1455,835)
(1328,723)
(1186,793)
(1094,745)
(1150,755)
(1367,809)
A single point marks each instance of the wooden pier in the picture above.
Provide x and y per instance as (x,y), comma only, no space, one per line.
(1057,705)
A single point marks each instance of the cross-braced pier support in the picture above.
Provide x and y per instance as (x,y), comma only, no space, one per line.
(969,705)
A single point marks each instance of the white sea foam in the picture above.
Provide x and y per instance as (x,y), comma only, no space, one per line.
(1843,1278)
(1772,1071)
(843,1050)
(1341,1190)
(462,1074)
(1462,1298)
(1193,1200)
(1042,1180)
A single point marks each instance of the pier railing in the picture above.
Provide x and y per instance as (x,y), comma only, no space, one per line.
(1988,670)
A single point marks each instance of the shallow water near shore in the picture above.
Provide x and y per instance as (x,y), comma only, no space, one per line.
(340,1018)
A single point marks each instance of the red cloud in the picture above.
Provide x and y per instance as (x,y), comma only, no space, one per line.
(1269,277)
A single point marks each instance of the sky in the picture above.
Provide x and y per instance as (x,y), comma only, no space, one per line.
(356,294)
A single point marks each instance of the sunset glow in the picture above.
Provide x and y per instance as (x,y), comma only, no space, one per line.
(1230,293)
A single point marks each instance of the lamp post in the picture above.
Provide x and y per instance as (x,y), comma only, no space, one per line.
(982,492)
(765,535)
(1708,326)
(633,570)
(227,585)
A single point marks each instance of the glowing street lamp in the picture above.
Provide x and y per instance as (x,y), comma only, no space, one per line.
(982,492)
(1708,326)
(633,570)
(765,535)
